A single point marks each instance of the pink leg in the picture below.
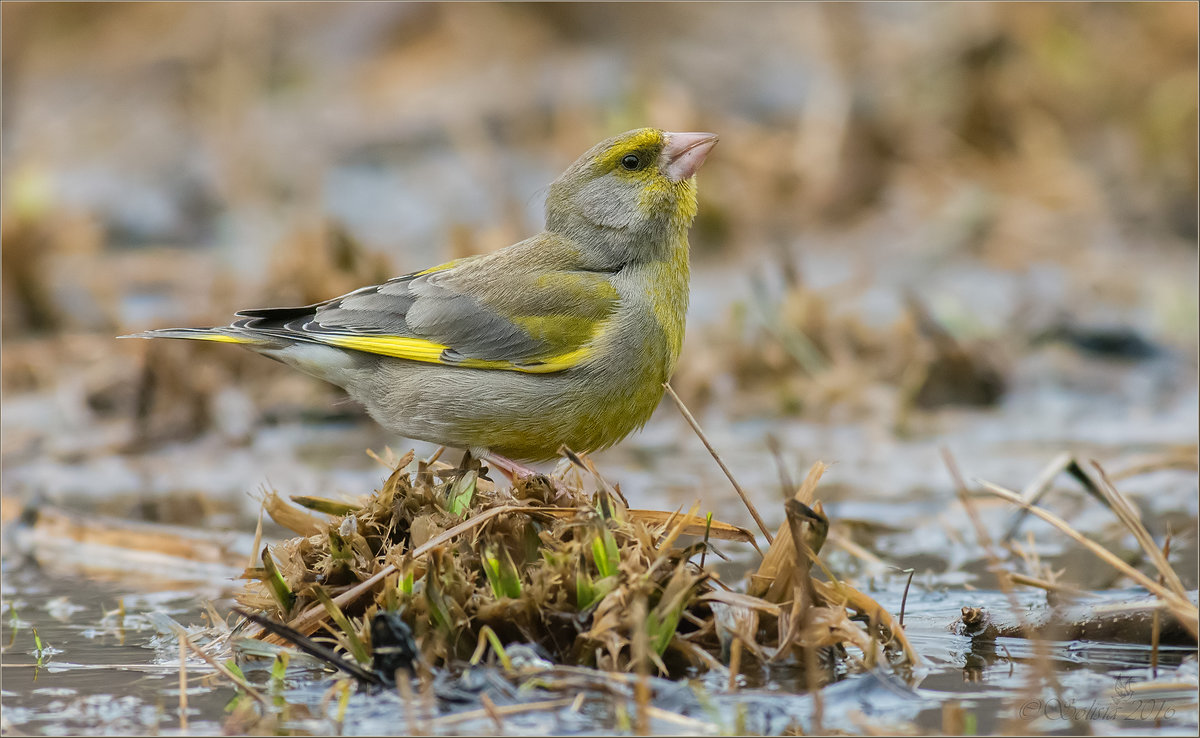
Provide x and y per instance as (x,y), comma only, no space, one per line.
(511,469)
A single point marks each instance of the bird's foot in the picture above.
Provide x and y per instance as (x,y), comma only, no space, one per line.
(514,470)
(517,472)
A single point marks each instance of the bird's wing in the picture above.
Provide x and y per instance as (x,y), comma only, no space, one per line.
(490,312)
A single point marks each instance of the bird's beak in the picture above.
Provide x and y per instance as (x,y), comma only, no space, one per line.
(684,153)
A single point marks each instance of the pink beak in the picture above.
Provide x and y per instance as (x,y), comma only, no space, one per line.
(684,153)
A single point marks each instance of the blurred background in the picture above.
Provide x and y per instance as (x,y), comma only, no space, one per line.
(969,225)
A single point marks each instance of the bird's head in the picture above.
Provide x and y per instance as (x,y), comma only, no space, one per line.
(633,194)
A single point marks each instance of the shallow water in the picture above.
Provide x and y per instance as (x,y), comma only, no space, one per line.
(102,672)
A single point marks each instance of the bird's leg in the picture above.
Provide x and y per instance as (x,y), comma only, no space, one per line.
(516,471)
(511,469)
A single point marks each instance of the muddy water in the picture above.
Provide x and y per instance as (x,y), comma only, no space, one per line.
(103,673)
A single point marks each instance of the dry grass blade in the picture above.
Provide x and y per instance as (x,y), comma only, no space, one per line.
(735,662)
(1183,609)
(291,517)
(1038,487)
(737,599)
(687,415)
(587,465)
(500,710)
(680,522)
(773,579)
(389,461)
(1125,512)
(183,700)
(490,708)
(1182,458)
(258,531)
(693,525)
(856,550)
(224,670)
(1056,587)
(1156,621)
(808,488)
(842,593)
(696,727)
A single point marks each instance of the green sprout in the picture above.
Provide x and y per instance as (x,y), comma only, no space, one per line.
(502,574)
(40,648)
(356,645)
(277,584)
(487,635)
(605,553)
(462,491)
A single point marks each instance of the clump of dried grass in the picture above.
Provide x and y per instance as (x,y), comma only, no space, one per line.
(798,353)
(547,562)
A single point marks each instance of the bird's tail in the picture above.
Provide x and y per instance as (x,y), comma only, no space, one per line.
(227,334)
(329,363)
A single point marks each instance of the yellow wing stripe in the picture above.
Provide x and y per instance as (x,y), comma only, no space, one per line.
(551,364)
(401,347)
(219,338)
(417,349)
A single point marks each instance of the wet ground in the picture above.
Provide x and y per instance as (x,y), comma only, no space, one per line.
(102,672)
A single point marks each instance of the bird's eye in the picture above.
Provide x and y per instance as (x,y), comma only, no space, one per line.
(631,162)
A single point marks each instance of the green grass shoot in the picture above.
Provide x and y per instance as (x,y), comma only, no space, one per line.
(277,584)
(462,491)
(502,573)
(357,648)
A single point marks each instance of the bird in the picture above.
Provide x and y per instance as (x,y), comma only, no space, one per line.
(566,338)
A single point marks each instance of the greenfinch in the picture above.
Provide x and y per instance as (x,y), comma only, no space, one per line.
(565,338)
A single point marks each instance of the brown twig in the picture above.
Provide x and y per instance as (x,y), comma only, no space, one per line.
(183,701)
(1156,621)
(490,708)
(687,415)
(1037,488)
(904,599)
(404,689)
(735,661)
(640,652)
(224,670)
(499,710)
(1028,581)
(1124,511)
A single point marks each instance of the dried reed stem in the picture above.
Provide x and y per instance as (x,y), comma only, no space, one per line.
(687,415)
(183,702)
(224,670)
